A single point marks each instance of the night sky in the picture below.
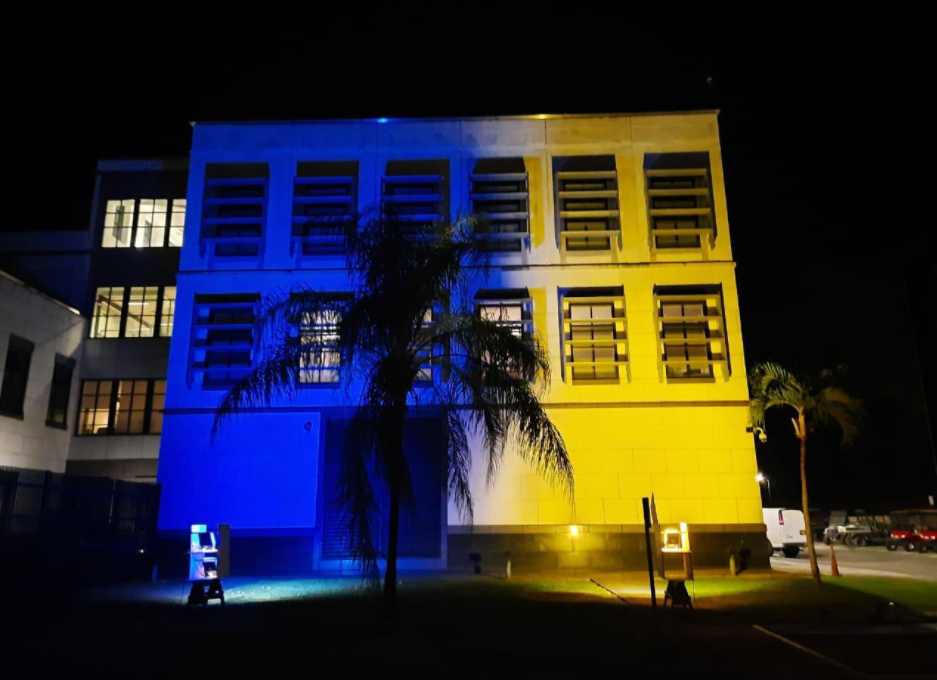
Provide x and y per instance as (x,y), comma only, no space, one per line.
(825,125)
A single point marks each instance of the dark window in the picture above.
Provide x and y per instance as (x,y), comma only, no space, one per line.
(222,338)
(679,201)
(234,209)
(586,192)
(60,392)
(325,197)
(15,376)
(415,194)
(500,202)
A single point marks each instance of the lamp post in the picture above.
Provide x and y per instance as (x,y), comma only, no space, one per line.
(762,479)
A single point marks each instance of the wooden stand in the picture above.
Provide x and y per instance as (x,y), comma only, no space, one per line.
(203,591)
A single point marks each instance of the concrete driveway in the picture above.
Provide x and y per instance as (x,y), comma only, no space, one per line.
(868,561)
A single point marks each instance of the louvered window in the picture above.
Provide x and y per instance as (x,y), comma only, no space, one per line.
(595,334)
(501,203)
(222,348)
(586,192)
(679,201)
(415,195)
(325,197)
(234,213)
(691,332)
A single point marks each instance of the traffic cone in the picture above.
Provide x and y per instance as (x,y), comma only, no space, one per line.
(834,567)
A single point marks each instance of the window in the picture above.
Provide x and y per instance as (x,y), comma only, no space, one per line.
(144,226)
(679,201)
(114,407)
(586,199)
(415,194)
(135,312)
(427,353)
(500,202)
(177,223)
(15,376)
(118,223)
(60,392)
(509,308)
(222,339)
(320,329)
(325,198)
(691,329)
(594,334)
(234,211)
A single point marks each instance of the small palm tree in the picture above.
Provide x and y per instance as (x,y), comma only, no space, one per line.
(407,338)
(773,386)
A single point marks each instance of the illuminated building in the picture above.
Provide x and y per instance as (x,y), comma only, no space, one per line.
(610,242)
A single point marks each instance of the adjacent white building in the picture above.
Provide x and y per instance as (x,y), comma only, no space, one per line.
(40,349)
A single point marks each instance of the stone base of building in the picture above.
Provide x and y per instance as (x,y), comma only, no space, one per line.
(595,547)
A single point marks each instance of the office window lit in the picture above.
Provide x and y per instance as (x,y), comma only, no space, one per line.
(134,312)
(114,407)
(118,223)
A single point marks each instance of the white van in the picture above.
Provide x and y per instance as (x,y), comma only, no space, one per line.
(786,530)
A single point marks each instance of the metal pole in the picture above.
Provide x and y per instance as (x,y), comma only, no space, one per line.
(647,544)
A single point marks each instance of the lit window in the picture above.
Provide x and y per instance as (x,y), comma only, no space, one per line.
(141,312)
(15,376)
(168,312)
(595,339)
(586,202)
(94,414)
(134,312)
(321,330)
(500,202)
(177,223)
(691,330)
(118,223)
(679,201)
(222,338)
(151,223)
(108,310)
(114,407)
(60,392)
(130,406)
(511,309)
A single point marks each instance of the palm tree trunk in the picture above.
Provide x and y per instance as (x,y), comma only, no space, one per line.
(811,548)
(393,532)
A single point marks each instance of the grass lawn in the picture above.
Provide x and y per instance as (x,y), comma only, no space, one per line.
(446,626)
(921,595)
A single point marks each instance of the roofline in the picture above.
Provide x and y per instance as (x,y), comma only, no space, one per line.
(443,119)
(31,289)
(152,164)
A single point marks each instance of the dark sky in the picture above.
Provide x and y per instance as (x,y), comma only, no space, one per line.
(826,127)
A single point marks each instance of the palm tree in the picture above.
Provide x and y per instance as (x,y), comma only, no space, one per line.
(773,386)
(407,339)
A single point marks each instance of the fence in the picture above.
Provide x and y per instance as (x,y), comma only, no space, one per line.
(34,502)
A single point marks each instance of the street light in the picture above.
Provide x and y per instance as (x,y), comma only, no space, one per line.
(763,479)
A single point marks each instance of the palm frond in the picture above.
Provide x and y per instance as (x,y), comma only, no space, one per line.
(833,406)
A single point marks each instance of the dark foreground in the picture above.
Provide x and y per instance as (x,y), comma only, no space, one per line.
(466,627)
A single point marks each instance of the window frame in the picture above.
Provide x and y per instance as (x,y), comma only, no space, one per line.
(619,342)
(159,315)
(64,392)
(16,345)
(112,413)
(135,227)
(712,323)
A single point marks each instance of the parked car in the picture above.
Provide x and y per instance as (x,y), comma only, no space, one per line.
(787,531)
(916,530)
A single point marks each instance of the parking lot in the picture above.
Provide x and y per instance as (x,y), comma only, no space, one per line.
(867,561)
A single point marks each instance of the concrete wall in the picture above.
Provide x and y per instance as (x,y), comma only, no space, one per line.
(685,443)
(54,329)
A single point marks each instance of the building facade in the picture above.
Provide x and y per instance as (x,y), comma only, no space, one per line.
(120,275)
(40,350)
(610,243)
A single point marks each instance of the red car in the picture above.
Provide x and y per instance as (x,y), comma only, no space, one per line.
(920,540)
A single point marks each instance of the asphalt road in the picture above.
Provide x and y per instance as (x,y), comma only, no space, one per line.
(868,561)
